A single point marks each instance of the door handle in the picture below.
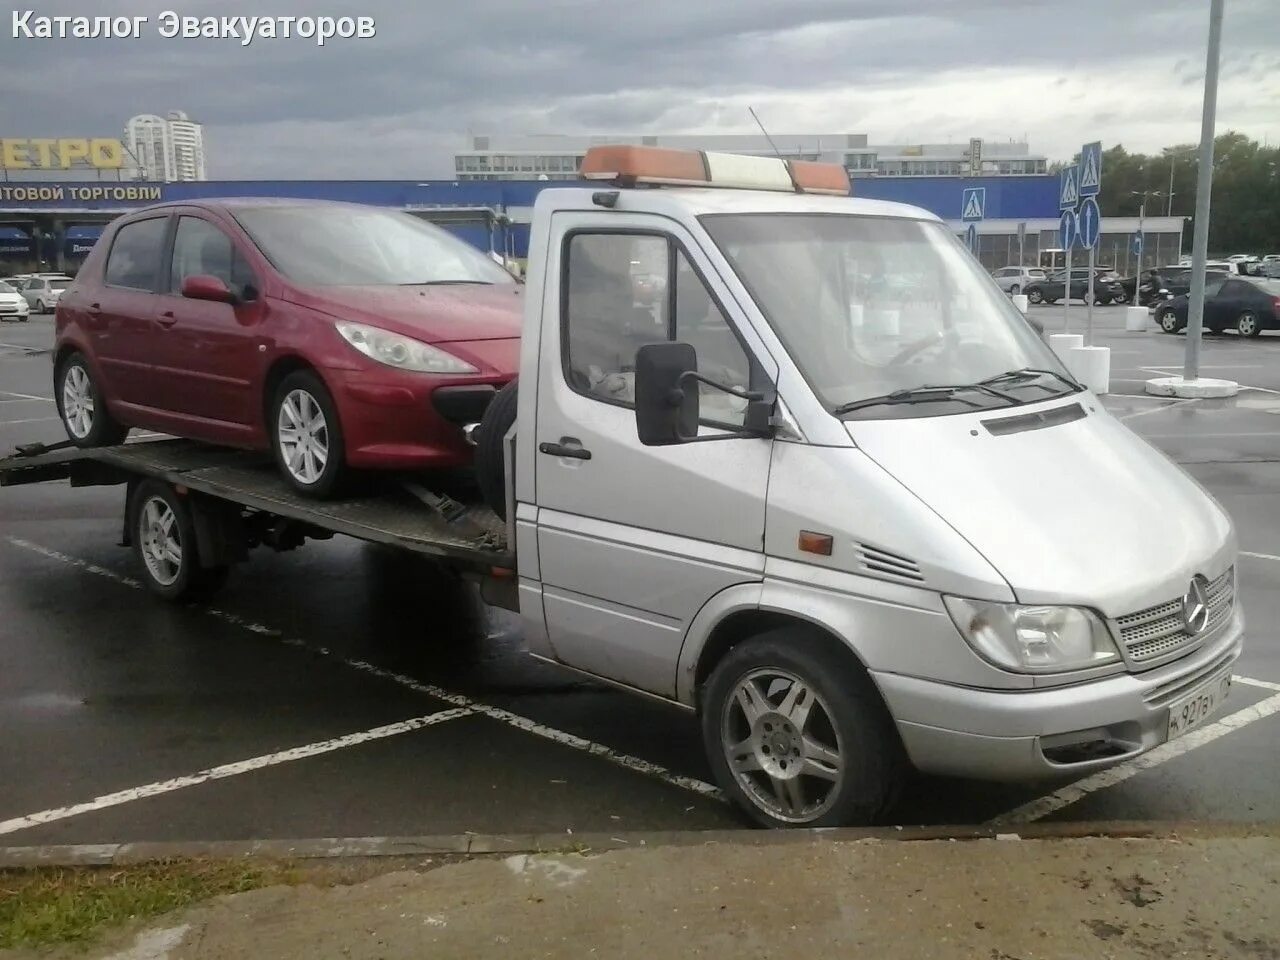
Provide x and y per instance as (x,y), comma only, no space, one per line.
(569,447)
(95,308)
(167,319)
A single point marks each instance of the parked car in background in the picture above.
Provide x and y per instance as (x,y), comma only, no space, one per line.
(335,335)
(1050,290)
(1246,305)
(1270,268)
(13,305)
(42,291)
(1013,280)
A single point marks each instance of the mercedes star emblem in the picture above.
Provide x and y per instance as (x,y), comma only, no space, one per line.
(1195,605)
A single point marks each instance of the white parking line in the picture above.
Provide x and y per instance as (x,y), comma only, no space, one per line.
(22,396)
(229,770)
(1167,406)
(10,423)
(1259,556)
(624,760)
(1044,806)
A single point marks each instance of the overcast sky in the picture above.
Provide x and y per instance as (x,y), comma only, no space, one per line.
(1056,73)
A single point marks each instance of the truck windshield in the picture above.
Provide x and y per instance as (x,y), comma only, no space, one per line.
(870,307)
(349,245)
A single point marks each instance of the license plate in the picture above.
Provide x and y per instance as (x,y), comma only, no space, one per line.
(1192,710)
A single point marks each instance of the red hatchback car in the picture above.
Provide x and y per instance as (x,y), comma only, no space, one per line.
(337,335)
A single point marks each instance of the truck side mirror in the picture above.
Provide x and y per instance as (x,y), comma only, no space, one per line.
(666,404)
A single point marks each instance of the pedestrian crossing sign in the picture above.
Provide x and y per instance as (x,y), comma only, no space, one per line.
(974,203)
(1068,191)
(1091,169)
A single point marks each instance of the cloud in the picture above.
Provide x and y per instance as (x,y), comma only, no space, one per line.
(399,104)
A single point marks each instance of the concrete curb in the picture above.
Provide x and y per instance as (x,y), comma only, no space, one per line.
(468,845)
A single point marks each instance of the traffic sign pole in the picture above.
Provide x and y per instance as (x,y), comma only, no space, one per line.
(1088,334)
(1204,184)
(1066,292)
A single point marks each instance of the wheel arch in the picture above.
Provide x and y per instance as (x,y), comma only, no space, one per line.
(738,614)
(280,368)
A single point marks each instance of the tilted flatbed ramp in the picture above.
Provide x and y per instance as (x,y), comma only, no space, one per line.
(394,516)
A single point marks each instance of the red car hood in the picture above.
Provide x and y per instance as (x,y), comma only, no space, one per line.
(432,314)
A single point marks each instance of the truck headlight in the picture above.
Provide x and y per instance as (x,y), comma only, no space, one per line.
(1033,639)
(402,352)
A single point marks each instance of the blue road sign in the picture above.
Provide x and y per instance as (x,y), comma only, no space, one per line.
(1090,169)
(971,238)
(1067,230)
(973,204)
(1068,188)
(1090,223)
(1136,244)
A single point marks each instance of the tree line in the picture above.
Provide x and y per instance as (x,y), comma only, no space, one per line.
(1244,214)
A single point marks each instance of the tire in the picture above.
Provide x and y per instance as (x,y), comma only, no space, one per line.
(1248,324)
(1085,298)
(1167,318)
(306,435)
(1015,290)
(164,544)
(490,457)
(84,414)
(844,711)
(40,307)
(1121,298)
(1035,295)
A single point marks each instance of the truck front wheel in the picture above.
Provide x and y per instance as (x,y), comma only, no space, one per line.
(164,541)
(797,735)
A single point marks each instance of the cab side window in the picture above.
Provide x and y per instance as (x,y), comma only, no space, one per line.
(622,291)
(201,248)
(134,260)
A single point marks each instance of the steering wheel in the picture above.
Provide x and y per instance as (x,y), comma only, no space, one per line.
(911,349)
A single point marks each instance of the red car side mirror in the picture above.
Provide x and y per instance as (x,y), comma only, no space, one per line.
(204,287)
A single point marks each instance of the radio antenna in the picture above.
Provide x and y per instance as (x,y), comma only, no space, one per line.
(756,118)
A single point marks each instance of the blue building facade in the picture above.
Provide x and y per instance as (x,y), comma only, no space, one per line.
(59,222)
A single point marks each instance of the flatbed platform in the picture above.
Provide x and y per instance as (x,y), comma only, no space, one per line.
(393,516)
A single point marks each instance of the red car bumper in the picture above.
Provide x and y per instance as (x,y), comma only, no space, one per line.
(399,420)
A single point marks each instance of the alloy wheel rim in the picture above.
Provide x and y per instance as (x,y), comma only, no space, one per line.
(1247,324)
(782,747)
(1168,319)
(303,433)
(78,405)
(160,541)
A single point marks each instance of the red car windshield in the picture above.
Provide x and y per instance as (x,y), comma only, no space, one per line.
(359,246)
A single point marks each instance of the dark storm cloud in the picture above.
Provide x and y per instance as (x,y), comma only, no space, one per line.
(436,70)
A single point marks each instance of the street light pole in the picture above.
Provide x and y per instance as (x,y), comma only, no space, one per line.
(1204,184)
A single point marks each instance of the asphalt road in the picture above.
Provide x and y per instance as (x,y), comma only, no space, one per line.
(124,719)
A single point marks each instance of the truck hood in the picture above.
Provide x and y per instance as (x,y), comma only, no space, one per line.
(432,314)
(1082,512)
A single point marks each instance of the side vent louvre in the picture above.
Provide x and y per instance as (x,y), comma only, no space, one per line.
(882,563)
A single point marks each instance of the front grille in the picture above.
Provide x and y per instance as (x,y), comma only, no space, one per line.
(1160,630)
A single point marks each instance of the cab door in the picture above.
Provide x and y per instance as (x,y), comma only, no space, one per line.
(633,540)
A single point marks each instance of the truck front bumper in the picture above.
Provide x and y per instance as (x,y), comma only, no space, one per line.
(1046,732)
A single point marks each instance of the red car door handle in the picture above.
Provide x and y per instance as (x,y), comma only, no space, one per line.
(167,319)
(95,308)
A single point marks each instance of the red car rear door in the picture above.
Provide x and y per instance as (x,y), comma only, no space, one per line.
(119,311)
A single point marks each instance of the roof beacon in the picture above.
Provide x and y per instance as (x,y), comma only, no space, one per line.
(631,166)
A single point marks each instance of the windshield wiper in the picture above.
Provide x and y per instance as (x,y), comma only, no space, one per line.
(924,394)
(439,283)
(1027,373)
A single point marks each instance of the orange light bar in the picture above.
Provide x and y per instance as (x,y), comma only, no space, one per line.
(628,166)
